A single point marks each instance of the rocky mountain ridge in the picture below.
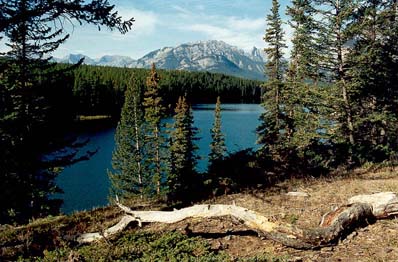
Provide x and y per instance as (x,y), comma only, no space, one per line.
(213,56)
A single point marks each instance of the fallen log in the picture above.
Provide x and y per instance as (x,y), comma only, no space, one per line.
(359,212)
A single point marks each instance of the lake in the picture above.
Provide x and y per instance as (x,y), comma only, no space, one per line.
(86,184)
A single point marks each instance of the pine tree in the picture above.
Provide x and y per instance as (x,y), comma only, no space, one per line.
(306,110)
(154,132)
(182,177)
(269,131)
(372,76)
(274,37)
(28,129)
(336,34)
(217,145)
(127,178)
(304,63)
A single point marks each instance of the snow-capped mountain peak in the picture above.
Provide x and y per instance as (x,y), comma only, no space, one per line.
(213,56)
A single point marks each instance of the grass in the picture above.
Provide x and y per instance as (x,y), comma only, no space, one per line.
(144,246)
(52,238)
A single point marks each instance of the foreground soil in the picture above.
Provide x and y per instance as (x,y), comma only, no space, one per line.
(376,242)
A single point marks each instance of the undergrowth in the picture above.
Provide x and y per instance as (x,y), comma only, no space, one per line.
(170,246)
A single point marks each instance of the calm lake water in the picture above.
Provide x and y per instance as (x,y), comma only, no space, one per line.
(86,184)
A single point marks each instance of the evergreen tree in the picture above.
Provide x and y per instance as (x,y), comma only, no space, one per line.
(372,75)
(28,129)
(127,179)
(305,108)
(304,63)
(182,177)
(154,132)
(217,145)
(335,31)
(269,131)
(274,37)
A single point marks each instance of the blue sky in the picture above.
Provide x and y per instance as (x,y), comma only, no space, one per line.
(161,23)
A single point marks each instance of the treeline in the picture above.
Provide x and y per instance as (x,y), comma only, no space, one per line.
(335,102)
(36,101)
(157,160)
(100,90)
(39,99)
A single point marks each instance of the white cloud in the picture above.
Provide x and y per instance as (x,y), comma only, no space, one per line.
(237,38)
(162,23)
(181,10)
(246,24)
(145,22)
(200,7)
(241,32)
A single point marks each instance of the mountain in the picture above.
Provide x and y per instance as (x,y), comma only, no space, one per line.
(107,60)
(119,61)
(74,58)
(213,56)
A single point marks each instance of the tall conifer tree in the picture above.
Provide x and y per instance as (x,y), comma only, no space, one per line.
(217,145)
(372,75)
(304,63)
(334,26)
(127,178)
(182,177)
(306,109)
(154,129)
(28,129)
(269,131)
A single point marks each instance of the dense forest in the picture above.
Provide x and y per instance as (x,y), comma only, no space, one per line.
(33,114)
(100,90)
(40,100)
(332,104)
(335,102)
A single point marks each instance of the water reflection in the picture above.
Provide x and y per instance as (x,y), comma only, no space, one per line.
(86,184)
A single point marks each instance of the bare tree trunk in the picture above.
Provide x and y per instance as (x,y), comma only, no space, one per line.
(334,226)
(341,76)
(348,114)
(138,148)
(157,160)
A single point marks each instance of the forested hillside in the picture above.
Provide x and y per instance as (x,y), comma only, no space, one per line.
(99,90)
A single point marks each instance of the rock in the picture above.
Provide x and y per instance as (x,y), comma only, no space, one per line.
(388,250)
(228,238)
(297,194)
(296,259)
(328,249)
(352,235)
(217,246)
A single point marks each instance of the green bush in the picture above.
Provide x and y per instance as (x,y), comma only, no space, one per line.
(171,246)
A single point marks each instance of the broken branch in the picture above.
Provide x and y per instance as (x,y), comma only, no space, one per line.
(335,225)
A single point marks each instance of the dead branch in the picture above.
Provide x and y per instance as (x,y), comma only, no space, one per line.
(335,225)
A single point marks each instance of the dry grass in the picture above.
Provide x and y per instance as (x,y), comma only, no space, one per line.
(377,242)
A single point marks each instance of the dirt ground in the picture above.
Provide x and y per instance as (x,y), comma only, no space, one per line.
(376,242)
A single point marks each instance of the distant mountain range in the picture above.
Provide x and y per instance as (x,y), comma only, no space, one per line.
(213,56)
